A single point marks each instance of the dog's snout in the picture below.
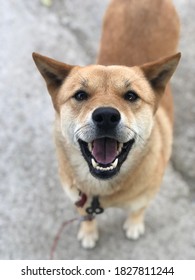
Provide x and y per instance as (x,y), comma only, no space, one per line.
(106,117)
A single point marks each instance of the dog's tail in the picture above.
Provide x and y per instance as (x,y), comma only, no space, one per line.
(138,31)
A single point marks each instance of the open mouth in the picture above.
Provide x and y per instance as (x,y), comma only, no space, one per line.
(105,156)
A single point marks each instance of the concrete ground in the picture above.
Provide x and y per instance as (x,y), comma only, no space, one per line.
(32,202)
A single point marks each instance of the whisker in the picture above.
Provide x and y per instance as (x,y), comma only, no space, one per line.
(81,131)
(137,135)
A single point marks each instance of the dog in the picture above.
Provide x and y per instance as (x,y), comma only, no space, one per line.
(114,119)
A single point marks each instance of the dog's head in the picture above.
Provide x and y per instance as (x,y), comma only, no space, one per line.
(106,111)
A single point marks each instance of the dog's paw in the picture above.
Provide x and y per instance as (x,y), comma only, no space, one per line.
(88,235)
(133,231)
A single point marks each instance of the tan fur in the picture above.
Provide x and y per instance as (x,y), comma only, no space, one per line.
(134,34)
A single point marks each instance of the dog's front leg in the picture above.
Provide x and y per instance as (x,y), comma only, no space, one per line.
(88,232)
(134,224)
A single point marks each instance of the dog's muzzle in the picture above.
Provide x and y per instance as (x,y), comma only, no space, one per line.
(105,154)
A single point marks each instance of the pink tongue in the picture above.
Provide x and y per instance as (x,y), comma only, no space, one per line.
(104,150)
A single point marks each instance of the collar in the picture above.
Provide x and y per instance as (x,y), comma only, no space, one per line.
(94,208)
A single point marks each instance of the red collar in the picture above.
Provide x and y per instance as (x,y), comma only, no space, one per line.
(95,207)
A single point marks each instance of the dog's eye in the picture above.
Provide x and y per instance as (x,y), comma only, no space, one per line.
(80,95)
(131,96)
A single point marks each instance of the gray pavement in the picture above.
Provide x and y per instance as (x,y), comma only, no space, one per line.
(32,202)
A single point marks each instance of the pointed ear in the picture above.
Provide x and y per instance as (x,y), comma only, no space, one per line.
(54,72)
(159,73)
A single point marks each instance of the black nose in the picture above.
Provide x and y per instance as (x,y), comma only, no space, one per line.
(106,117)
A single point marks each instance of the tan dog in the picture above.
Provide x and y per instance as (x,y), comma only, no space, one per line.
(113,123)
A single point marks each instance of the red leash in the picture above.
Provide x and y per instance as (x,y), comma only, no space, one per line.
(89,217)
(64,224)
(58,235)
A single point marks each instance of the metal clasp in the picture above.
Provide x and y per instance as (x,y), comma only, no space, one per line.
(95,207)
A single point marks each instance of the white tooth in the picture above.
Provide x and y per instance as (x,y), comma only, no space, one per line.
(90,146)
(120,146)
(114,164)
(95,165)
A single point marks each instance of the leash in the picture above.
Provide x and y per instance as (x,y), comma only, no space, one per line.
(92,210)
(88,217)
